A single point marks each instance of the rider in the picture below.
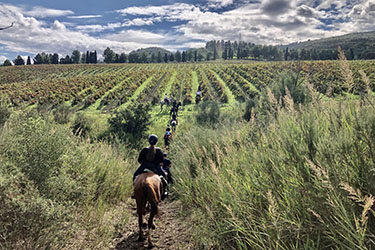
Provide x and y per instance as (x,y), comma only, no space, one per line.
(151,158)
(174,121)
(199,90)
(174,110)
(166,98)
(166,166)
(167,136)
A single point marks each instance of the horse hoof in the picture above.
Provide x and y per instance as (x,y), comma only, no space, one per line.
(150,246)
(144,225)
(153,226)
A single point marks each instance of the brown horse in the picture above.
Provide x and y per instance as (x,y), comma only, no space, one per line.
(147,188)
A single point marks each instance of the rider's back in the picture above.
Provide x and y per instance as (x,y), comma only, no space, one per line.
(147,157)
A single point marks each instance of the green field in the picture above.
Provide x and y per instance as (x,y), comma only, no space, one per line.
(277,156)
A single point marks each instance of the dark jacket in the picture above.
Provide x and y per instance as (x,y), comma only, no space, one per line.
(142,158)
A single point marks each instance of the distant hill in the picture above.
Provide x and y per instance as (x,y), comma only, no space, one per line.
(357,41)
(152,50)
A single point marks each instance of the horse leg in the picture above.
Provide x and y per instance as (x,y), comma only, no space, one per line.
(150,227)
(140,211)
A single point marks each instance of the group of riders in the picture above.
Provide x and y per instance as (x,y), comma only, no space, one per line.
(152,158)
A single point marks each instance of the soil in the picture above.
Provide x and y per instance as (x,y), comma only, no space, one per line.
(172,232)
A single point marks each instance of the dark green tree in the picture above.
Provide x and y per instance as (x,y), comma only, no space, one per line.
(153,58)
(178,56)
(171,58)
(183,56)
(165,57)
(55,58)
(195,55)
(87,57)
(76,57)
(19,61)
(123,58)
(159,58)
(28,60)
(215,51)
(225,53)
(109,55)
(144,58)
(286,57)
(83,58)
(38,59)
(95,57)
(7,63)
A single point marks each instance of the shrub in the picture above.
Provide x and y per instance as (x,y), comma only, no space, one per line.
(54,187)
(4,111)
(131,124)
(208,113)
(82,125)
(62,113)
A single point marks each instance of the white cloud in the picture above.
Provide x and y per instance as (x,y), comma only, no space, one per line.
(2,59)
(44,12)
(84,17)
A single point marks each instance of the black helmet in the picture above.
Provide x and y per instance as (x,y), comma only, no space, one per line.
(152,139)
(165,154)
(168,129)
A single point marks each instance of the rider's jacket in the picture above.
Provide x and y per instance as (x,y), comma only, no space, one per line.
(142,158)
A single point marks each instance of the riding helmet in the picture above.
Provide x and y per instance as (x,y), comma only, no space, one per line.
(152,139)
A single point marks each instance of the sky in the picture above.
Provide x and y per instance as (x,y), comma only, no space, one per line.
(55,26)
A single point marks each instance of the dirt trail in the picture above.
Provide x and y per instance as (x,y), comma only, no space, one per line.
(171,231)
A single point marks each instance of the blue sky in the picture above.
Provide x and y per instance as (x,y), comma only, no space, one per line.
(63,26)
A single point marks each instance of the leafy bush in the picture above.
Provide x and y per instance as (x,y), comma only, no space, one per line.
(52,184)
(62,113)
(4,111)
(82,125)
(208,113)
(131,124)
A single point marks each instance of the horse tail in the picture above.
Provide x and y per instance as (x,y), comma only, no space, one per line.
(152,197)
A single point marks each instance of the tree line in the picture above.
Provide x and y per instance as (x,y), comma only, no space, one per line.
(213,50)
(43,58)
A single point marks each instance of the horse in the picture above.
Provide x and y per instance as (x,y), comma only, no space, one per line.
(147,189)
(174,125)
(163,102)
(167,139)
(197,99)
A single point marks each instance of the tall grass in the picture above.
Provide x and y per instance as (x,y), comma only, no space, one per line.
(56,188)
(303,179)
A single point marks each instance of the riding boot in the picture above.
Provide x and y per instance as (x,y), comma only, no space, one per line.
(165,185)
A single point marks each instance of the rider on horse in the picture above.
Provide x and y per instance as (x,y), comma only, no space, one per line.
(151,158)
(167,136)
(166,100)
(174,122)
(174,111)
(166,167)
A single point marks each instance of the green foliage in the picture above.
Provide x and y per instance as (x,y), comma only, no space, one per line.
(19,61)
(294,84)
(62,113)
(208,113)
(131,124)
(54,186)
(7,63)
(82,125)
(4,111)
(304,181)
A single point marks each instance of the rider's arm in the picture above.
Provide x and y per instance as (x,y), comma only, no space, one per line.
(142,155)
